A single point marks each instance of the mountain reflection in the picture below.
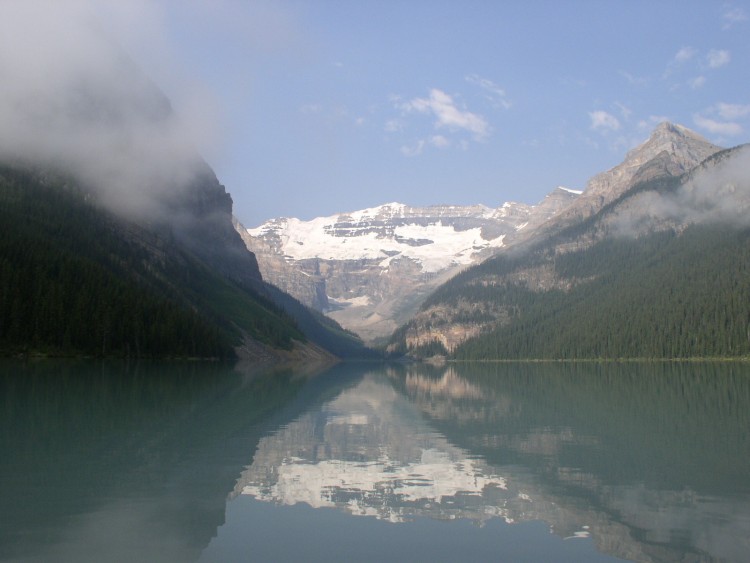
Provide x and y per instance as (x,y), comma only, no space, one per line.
(652,461)
(368,452)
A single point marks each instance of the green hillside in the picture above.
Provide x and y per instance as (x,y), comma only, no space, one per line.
(659,296)
(75,279)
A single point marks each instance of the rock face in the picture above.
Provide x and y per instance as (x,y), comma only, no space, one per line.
(660,185)
(670,150)
(370,269)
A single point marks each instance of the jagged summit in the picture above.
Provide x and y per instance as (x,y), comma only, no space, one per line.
(671,149)
(666,128)
(684,148)
(687,147)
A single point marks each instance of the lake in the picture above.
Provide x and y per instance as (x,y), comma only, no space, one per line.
(117,461)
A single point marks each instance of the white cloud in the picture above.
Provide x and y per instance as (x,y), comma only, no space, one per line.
(625,111)
(439,141)
(448,115)
(632,79)
(684,54)
(413,150)
(601,120)
(495,93)
(733,16)
(732,111)
(729,129)
(717,58)
(393,125)
(681,57)
(697,82)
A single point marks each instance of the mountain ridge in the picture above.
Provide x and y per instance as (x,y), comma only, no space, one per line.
(680,148)
(647,274)
(369,269)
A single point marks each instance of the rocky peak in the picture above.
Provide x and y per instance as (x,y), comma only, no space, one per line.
(670,150)
(683,148)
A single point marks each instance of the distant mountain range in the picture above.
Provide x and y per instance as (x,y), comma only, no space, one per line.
(647,261)
(370,269)
(117,239)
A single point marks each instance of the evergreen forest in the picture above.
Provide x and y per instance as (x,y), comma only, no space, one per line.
(77,280)
(664,295)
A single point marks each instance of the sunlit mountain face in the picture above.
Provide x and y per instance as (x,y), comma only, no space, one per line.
(523,445)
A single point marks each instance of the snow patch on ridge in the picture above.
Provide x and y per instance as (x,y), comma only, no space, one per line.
(435,246)
(576,192)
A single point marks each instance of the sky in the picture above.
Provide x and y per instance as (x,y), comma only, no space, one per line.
(312,108)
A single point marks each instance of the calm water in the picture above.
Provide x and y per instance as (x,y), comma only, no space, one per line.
(184,462)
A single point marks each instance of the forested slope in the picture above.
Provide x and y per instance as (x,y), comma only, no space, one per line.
(75,279)
(660,296)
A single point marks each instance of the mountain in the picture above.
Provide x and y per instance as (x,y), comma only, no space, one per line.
(370,269)
(650,261)
(116,237)
(670,150)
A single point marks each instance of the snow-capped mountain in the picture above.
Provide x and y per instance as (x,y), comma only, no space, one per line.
(674,180)
(370,269)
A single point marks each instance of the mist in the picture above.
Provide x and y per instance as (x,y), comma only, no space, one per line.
(73,100)
(715,193)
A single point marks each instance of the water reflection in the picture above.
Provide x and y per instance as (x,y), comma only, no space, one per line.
(109,461)
(652,461)
(160,462)
(369,452)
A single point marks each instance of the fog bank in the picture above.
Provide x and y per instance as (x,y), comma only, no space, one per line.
(71,98)
(717,192)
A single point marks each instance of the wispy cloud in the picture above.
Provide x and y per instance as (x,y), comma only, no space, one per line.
(714,194)
(393,125)
(632,79)
(447,114)
(414,149)
(439,141)
(684,54)
(495,94)
(733,16)
(728,129)
(723,119)
(625,111)
(603,121)
(681,59)
(689,59)
(697,82)
(717,58)
(732,111)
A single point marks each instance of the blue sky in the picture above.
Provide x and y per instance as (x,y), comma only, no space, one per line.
(318,107)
